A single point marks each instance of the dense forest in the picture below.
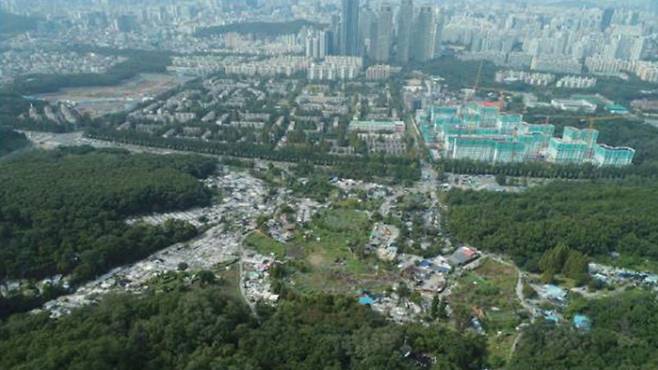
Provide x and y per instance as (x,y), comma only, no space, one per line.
(258,28)
(623,336)
(198,328)
(594,218)
(11,140)
(64,211)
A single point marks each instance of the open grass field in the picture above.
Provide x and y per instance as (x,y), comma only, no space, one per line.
(265,245)
(491,289)
(331,248)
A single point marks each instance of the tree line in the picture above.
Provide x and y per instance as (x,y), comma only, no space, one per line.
(538,169)
(200,328)
(593,218)
(367,167)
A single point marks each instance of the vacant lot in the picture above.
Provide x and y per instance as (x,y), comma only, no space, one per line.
(98,101)
(489,292)
(265,245)
(331,248)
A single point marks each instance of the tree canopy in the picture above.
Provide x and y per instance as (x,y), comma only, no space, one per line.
(201,329)
(623,336)
(11,140)
(358,167)
(594,218)
(65,211)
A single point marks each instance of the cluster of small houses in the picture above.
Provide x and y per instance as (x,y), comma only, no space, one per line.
(427,276)
(619,276)
(256,279)
(282,227)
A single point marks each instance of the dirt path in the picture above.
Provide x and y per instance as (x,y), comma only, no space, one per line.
(243,293)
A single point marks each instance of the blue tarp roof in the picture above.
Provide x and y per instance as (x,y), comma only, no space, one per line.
(551,316)
(582,322)
(554,292)
(366,300)
(425,263)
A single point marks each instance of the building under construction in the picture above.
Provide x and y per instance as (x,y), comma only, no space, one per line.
(482,133)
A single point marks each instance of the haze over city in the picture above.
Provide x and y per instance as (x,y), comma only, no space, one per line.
(328,184)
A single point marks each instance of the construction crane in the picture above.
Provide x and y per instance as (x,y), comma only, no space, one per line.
(591,120)
(478,77)
(476,85)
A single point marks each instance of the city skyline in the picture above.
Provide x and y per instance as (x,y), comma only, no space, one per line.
(340,184)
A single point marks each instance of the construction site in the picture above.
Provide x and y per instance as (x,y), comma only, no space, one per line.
(480,132)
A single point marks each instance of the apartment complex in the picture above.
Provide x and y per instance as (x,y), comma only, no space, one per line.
(482,133)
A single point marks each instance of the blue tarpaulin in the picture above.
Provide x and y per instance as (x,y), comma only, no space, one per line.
(366,300)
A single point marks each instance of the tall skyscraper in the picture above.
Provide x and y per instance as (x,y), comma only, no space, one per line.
(438,36)
(349,34)
(384,34)
(333,36)
(423,41)
(315,44)
(367,30)
(405,22)
(606,18)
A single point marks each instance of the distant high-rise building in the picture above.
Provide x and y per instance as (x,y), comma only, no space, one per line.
(405,23)
(384,34)
(606,18)
(127,23)
(349,34)
(367,30)
(423,41)
(315,44)
(438,36)
(333,36)
(638,50)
